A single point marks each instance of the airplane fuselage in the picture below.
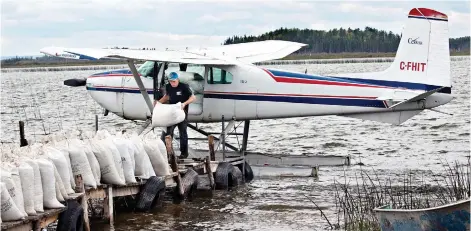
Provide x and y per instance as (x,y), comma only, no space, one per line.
(251,93)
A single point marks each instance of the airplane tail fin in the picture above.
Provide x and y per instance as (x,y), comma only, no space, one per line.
(423,55)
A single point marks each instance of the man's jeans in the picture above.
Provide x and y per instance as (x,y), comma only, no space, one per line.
(183,136)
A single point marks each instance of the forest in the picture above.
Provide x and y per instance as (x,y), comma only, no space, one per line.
(368,40)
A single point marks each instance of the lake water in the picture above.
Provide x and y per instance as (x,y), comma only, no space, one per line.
(269,203)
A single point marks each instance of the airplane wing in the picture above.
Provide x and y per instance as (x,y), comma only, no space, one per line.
(222,55)
(252,52)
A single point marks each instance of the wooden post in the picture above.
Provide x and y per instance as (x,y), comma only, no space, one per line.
(315,171)
(211,147)
(80,188)
(23,141)
(210,173)
(173,164)
(96,123)
(108,209)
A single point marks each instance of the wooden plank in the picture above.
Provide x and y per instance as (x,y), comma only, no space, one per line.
(26,224)
(13,226)
(80,188)
(209,172)
(96,193)
(108,208)
(212,154)
(173,163)
(126,191)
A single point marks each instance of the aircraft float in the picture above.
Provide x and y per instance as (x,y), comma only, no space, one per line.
(230,87)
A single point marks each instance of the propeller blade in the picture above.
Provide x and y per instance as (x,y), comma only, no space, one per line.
(75,82)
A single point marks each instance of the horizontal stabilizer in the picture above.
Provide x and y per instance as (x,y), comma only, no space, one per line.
(395,118)
(401,97)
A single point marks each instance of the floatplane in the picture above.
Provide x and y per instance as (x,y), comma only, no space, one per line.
(232,88)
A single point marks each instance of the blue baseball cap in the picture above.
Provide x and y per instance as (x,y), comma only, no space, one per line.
(173,76)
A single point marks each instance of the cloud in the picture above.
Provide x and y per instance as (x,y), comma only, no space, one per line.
(27,25)
(226,16)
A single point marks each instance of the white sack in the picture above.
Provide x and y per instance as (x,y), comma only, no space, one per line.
(27,184)
(144,167)
(60,185)
(131,150)
(69,164)
(63,167)
(123,149)
(108,143)
(9,211)
(80,164)
(94,165)
(162,149)
(139,157)
(15,193)
(109,173)
(165,115)
(161,168)
(38,187)
(48,184)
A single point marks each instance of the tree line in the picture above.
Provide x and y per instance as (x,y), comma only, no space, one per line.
(369,40)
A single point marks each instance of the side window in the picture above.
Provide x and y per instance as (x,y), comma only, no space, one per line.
(219,76)
(147,69)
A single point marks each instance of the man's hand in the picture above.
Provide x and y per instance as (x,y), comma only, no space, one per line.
(183,106)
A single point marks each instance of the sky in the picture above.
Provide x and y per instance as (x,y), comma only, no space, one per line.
(29,25)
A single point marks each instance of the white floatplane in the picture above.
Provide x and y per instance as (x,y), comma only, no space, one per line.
(230,87)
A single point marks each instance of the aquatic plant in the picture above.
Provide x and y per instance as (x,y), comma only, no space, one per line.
(355,202)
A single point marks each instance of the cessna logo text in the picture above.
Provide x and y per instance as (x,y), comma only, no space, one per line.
(414,41)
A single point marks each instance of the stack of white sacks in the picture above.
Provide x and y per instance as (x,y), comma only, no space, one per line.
(41,176)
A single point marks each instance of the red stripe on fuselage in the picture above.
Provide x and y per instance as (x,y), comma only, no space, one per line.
(320,82)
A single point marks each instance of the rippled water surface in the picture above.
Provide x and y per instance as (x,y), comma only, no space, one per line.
(272,203)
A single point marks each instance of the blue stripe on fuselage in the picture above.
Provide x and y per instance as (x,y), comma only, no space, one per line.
(118,90)
(307,100)
(396,84)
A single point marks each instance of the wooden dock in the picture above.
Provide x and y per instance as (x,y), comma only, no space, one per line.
(205,167)
(214,167)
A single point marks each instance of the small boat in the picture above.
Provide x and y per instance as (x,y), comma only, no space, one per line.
(453,217)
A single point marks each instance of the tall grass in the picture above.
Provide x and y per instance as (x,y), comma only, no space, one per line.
(355,201)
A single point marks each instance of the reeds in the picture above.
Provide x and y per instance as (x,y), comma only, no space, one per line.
(355,201)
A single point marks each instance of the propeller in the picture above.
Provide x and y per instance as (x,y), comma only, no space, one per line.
(75,82)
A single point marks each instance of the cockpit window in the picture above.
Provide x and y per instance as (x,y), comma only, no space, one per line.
(147,69)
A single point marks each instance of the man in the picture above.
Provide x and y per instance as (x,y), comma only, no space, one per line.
(178,92)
